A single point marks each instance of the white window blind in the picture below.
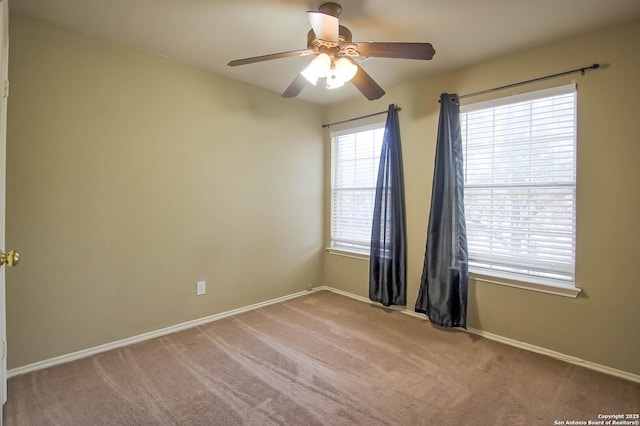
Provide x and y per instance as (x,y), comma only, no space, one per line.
(355,156)
(520,185)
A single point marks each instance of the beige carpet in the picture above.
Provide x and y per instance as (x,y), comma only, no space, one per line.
(316,360)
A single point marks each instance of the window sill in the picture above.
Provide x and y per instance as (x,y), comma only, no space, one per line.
(360,255)
(542,287)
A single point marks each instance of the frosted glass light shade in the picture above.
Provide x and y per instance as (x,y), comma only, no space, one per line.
(318,68)
(333,80)
(345,69)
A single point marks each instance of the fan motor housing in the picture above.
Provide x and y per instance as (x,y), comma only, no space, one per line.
(316,44)
(333,9)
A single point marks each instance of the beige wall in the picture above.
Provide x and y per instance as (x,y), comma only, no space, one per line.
(130,177)
(602,324)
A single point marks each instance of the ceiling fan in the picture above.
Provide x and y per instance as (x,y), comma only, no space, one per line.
(334,53)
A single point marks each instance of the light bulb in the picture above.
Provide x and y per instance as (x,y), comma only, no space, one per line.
(345,69)
(318,68)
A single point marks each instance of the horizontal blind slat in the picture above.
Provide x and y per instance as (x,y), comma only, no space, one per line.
(519,168)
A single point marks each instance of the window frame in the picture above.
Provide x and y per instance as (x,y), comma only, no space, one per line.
(532,282)
(361,252)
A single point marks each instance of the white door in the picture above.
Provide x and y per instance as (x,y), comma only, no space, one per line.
(4,57)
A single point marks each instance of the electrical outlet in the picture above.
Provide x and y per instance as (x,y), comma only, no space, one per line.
(201,288)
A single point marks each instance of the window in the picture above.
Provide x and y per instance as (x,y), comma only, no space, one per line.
(355,156)
(520,185)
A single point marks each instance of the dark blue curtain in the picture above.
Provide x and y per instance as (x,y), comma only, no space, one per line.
(388,258)
(443,286)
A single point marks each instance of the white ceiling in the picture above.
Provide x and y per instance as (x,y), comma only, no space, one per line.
(210,33)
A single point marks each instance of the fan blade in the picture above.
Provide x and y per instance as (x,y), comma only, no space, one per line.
(324,26)
(263,58)
(396,50)
(295,87)
(365,84)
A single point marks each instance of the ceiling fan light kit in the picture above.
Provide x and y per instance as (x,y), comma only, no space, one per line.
(332,44)
(336,71)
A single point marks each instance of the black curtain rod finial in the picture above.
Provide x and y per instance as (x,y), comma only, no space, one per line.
(592,67)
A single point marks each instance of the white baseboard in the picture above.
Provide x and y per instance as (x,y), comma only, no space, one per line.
(558,355)
(145,336)
(508,341)
(189,324)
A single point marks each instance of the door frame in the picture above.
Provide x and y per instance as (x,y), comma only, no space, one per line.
(4,93)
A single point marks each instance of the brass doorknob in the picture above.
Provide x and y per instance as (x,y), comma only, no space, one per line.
(10,258)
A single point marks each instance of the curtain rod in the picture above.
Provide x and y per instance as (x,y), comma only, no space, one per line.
(358,118)
(533,80)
